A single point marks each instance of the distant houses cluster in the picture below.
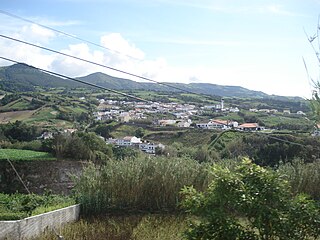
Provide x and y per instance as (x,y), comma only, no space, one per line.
(225,125)
(115,110)
(135,142)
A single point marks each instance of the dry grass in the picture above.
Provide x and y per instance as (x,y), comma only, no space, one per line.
(134,227)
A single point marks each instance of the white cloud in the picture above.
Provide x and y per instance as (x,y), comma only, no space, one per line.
(118,44)
(271,79)
(277,10)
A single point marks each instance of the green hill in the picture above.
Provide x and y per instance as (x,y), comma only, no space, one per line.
(21,78)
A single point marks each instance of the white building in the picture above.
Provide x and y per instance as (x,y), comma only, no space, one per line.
(150,147)
(126,141)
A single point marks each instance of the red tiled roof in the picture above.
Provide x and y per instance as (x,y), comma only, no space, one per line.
(249,125)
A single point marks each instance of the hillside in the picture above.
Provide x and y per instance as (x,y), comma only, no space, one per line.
(20,78)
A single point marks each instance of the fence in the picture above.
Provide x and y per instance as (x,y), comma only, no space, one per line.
(33,226)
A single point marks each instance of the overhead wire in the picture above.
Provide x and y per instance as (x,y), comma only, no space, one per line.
(134,97)
(99,64)
(66,34)
(76,80)
(94,63)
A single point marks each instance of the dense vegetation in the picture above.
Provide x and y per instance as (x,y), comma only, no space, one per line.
(250,202)
(148,184)
(18,206)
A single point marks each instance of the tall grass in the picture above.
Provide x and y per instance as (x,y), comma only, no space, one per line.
(303,177)
(135,227)
(140,184)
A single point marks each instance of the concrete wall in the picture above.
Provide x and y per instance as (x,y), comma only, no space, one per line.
(33,226)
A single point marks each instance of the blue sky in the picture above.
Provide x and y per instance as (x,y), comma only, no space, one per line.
(255,44)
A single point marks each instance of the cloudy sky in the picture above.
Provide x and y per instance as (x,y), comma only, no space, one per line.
(255,44)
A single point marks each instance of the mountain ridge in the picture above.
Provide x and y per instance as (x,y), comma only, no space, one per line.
(20,77)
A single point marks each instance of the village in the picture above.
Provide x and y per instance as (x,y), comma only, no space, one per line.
(175,115)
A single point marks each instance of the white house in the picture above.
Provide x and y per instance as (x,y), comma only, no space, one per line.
(250,127)
(166,122)
(235,110)
(301,113)
(184,124)
(150,147)
(126,141)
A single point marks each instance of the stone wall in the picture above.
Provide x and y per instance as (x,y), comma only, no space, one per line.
(33,226)
(39,176)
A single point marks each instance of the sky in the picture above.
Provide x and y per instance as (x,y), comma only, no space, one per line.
(259,45)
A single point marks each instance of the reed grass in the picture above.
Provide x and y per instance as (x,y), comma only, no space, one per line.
(303,177)
(149,184)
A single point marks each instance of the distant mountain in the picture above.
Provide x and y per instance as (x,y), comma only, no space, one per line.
(107,81)
(20,77)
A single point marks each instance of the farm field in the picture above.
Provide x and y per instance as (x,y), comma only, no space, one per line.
(6,117)
(24,155)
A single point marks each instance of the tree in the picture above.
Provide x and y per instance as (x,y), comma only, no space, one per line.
(139,132)
(250,202)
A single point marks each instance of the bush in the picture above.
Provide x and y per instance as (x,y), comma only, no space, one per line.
(10,216)
(250,202)
(17,206)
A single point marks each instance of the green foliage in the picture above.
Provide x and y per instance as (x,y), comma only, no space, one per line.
(250,202)
(19,131)
(138,184)
(9,98)
(80,146)
(121,153)
(17,206)
(303,177)
(139,132)
(104,130)
(271,149)
(24,155)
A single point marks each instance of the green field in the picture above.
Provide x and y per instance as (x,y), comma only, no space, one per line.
(24,155)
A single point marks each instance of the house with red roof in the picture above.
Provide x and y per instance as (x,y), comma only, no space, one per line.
(250,127)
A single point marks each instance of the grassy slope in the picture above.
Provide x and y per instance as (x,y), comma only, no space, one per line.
(23,155)
(188,137)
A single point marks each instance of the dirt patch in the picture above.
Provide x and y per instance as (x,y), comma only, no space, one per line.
(54,112)
(6,117)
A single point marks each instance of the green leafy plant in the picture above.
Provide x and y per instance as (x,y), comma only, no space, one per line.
(250,202)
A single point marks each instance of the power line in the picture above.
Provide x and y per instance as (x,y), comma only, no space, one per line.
(67,34)
(76,80)
(99,64)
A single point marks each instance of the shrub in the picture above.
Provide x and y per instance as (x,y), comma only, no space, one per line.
(17,206)
(250,202)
